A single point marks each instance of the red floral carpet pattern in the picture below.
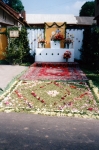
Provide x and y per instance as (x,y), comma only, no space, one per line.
(54,71)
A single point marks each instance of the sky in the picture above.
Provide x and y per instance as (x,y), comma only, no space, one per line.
(53,6)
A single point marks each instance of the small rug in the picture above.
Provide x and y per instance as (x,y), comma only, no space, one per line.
(54,71)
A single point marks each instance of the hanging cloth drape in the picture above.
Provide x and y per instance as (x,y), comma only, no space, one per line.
(52,27)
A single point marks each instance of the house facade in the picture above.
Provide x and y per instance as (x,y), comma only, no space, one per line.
(8,18)
(97,11)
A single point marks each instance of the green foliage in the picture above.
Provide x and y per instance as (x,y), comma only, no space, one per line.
(88,9)
(18,49)
(85,50)
(5,1)
(15,4)
(93,81)
(90,48)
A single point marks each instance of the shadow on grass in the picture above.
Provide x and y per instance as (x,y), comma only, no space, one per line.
(92,75)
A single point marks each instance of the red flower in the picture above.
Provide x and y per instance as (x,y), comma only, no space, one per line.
(67,54)
(90,109)
(24,82)
(19,94)
(64,103)
(73,87)
(57,37)
(82,95)
(62,98)
(38,98)
(55,103)
(68,40)
(33,94)
(70,103)
(42,41)
(42,101)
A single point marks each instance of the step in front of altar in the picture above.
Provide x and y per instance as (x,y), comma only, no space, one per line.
(55,64)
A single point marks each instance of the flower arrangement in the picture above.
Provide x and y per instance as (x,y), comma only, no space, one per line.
(68,41)
(42,41)
(57,37)
(67,55)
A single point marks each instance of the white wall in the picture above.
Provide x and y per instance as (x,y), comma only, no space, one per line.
(78,37)
(52,55)
(34,35)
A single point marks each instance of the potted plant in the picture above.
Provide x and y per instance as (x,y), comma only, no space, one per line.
(67,55)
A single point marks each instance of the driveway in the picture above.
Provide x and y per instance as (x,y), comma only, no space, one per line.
(8,72)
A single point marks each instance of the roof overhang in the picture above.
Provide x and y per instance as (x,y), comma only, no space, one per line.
(96,18)
(13,14)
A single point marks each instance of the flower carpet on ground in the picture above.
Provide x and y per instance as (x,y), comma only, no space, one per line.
(51,98)
(50,71)
(51,89)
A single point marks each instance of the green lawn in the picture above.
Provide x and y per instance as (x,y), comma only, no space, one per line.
(91,75)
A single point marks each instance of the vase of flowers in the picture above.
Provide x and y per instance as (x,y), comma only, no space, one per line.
(68,41)
(67,55)
(56,37)
(41,43)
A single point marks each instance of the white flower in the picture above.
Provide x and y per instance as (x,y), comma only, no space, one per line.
(1,104)
(5,99)
(53,93)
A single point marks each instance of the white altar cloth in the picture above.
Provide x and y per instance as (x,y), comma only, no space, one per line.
(52,55)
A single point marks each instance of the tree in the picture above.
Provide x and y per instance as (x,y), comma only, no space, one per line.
(90,47)
(88,9)
(15,4)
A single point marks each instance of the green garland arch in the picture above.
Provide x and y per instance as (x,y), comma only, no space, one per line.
(54,23)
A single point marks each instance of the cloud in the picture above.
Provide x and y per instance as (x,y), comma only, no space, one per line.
(75,7)
(78,4)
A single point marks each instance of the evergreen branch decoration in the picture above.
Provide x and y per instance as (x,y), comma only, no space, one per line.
(17,51)
(54,23)
(11,29)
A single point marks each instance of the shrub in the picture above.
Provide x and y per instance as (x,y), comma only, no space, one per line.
(90,47)
(18,49)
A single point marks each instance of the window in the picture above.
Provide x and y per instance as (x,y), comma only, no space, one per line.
(5,18)
(3,14)
(14,22)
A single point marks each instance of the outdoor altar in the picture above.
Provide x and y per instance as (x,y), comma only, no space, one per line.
(52,55)
(55,49)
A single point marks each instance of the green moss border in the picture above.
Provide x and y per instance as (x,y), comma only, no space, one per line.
(94,90)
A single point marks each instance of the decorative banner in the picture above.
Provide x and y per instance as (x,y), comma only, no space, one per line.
(51,28)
